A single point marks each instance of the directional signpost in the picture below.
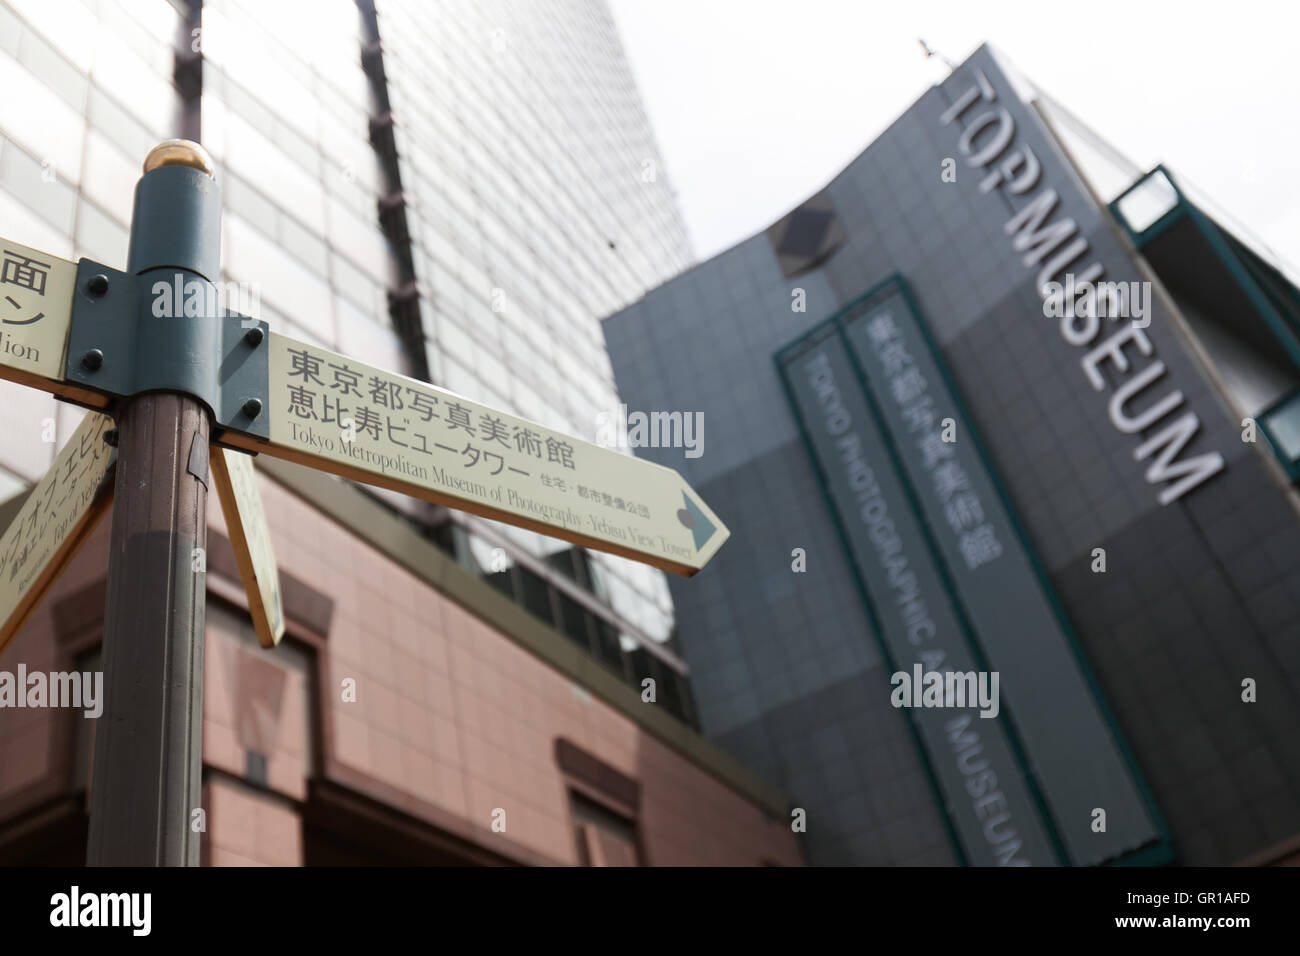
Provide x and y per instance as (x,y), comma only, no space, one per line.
(55,520)
(36,296)
(192,391)
(337,415)
(236,482)
(37,309)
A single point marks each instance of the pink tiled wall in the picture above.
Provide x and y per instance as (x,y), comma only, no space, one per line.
(36,758)
(460,718)
(246,828)
(452,722)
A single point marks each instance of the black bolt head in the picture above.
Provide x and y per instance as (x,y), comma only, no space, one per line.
(97,285)
(92,360)
(253,407)
(254,336)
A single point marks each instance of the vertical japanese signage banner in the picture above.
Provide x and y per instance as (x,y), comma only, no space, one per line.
(991,806)
(1070,748)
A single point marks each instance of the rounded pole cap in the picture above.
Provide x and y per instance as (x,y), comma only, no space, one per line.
(180,152)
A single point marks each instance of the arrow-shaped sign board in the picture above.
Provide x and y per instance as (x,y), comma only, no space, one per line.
(36,293)
(338,415)
(55,520)
(335,414)
(241,503)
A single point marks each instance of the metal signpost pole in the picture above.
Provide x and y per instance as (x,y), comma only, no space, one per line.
(145,776)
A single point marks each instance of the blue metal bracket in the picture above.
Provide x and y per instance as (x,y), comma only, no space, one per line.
(134,333)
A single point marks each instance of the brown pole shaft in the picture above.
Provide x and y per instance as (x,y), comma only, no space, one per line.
(148,747)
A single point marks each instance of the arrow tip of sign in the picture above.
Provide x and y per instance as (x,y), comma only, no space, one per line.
(701,525)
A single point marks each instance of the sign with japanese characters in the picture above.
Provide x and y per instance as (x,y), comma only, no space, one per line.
(338,415)
(994,577)
(985,788)
(55,520)
(241,502)
(35,313)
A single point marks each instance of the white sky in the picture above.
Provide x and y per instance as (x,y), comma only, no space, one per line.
(756,104)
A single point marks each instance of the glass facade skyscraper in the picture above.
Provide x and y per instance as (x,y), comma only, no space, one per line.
(519,199)
(535,204)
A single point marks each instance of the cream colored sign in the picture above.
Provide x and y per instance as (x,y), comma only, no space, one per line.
(35,312)
(241,502)
(55,520)
(341,416)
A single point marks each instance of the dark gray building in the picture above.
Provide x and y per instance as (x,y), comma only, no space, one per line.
(974,408)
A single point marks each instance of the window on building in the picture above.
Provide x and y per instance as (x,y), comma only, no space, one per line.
(604,804)
(604,838)
(1281,426)
(1143,205)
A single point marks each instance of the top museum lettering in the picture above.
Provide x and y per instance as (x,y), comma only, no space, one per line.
(1165,425)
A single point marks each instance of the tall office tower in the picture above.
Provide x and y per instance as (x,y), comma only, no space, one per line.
(457,191)
(535,204)
(521,198)
(1002,405)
